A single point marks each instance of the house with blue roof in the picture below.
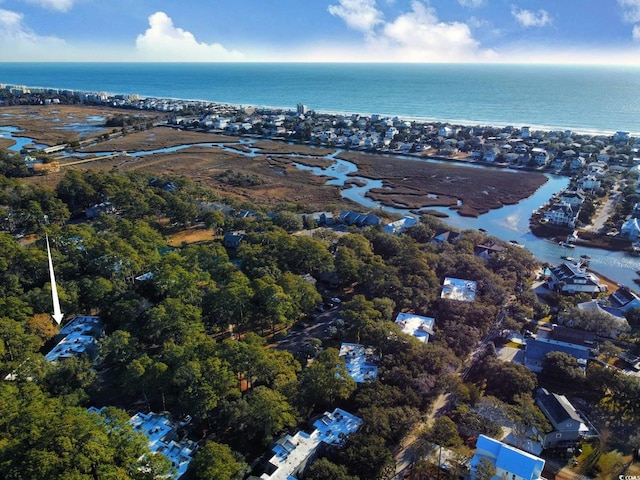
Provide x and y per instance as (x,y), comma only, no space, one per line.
(510,462)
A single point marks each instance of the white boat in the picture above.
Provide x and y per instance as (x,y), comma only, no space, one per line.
(566,244)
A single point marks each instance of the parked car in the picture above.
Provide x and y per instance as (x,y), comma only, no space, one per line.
(336,300)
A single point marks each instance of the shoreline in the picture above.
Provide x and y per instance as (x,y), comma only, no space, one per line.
(408,117)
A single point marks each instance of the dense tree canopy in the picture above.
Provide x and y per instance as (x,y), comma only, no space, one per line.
(191,336)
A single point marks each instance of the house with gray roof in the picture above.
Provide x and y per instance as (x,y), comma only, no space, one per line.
(562,214)
(624,299)
(574,198)
(443,236)
(537,348)
(510,462)
(573,278)
(568,425)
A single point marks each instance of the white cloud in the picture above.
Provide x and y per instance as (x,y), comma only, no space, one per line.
(419,35)
(528,18)
(358,14)
(11,21)
(631,10)
(164,42)
(636,33)
(416,35)
(23,44)
(472,3)
(60,5)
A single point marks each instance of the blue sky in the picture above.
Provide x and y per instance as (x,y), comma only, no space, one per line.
(541,31)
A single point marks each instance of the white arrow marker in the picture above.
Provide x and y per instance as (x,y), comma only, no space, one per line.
(57,314)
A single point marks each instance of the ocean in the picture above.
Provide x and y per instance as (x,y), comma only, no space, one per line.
(586,99)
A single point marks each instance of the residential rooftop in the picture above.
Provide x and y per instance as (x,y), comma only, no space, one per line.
(509,461)
(80,336)
(361,361)
(459,289)
(293,453)
(416,325)
(162,434)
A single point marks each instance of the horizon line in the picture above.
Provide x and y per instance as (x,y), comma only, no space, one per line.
(333,62)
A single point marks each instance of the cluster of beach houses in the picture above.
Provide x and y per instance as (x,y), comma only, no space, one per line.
(559,150)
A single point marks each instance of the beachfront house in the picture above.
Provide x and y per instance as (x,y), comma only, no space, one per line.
(620,137)
(510,463)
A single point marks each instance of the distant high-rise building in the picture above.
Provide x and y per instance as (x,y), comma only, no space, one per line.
(301,109)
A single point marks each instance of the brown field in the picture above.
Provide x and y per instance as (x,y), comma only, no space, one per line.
(411,183)
(156,138)
(283,148)
(191,235)
(45,123)
(415,184)
(6,143)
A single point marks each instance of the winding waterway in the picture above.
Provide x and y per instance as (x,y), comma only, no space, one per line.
(509,223)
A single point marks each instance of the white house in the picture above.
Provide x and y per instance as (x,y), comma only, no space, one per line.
(445,131)
(161,433)
(80,336)
(589,182)
(562,214)
(624,299)
(293,454)
(630,229)
(573,278)
(391,132)
(361,361)
(540,156)
(400,226)
(415,325)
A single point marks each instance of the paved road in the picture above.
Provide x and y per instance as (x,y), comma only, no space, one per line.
(297,339)
(604,212)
